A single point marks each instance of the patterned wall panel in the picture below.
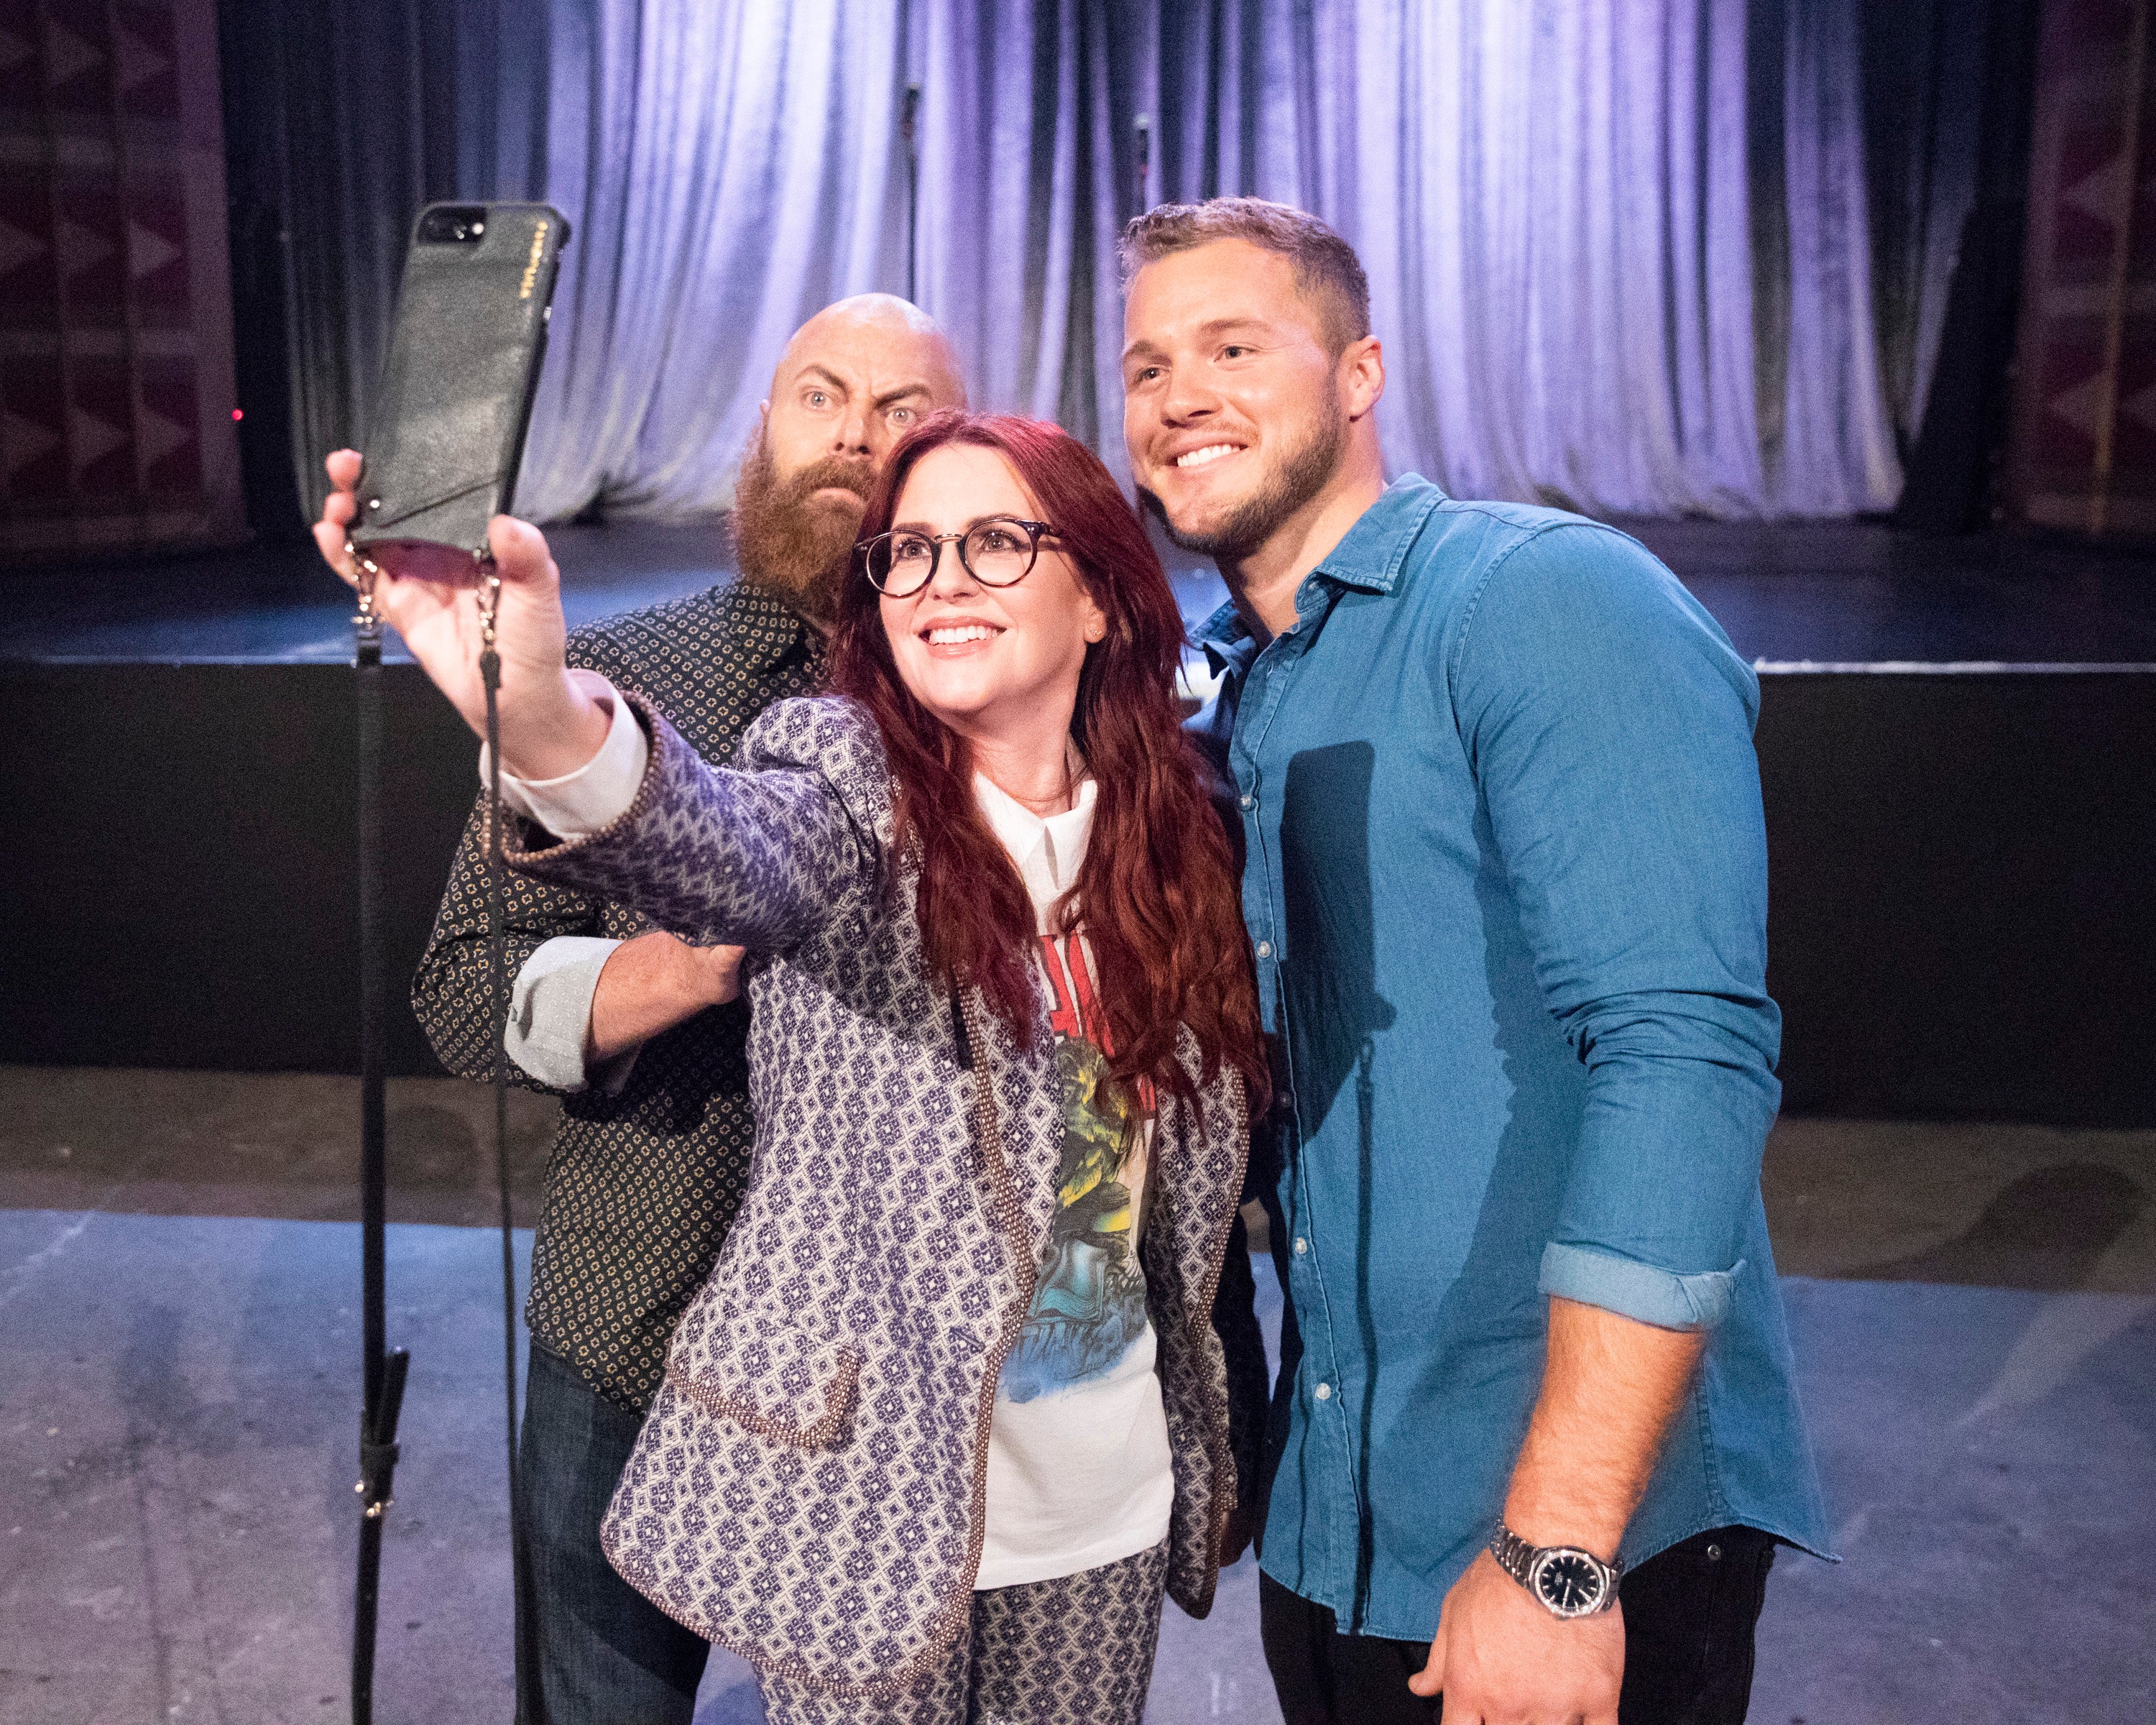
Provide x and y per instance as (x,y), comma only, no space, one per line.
(117,392)
(2082,454)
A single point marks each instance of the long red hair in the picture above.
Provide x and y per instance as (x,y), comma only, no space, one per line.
(1156,894)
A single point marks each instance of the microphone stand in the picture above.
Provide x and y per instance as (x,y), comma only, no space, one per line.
(908,130)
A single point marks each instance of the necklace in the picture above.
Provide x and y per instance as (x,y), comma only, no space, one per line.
(1060,801)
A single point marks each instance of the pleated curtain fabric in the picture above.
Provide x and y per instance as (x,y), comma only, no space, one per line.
(1625,255)
(728,169)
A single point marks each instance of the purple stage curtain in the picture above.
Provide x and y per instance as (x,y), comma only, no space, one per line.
(1626,255)
(727,169)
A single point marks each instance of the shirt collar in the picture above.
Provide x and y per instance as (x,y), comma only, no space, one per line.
(762,627)
(1049,850)
(1226,643)
(1370,555)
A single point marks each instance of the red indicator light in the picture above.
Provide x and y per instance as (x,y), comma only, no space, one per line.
(237,414)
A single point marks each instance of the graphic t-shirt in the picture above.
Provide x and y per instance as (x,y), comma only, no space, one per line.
(1079,1468)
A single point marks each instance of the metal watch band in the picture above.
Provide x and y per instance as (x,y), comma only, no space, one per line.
(1566,1581)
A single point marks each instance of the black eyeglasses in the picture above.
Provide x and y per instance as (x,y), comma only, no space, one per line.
(996,552)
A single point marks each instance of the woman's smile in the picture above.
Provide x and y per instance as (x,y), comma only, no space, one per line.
(995,662)
(956,637)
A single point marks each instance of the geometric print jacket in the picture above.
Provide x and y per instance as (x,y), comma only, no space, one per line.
(641,1185)
(808,1488)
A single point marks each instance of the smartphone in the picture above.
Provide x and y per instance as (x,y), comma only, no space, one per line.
(465,354)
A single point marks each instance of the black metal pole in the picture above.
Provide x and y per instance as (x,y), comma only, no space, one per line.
(383,1372)
(908,130)
(1143,158)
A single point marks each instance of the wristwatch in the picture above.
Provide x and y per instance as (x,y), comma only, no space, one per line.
(1566,1581)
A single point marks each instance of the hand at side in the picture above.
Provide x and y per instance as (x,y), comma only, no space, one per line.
(652,984)
(1610,1387)
(1500,1658)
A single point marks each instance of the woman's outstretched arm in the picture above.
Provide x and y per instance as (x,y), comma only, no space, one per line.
(755,859)
(550,726)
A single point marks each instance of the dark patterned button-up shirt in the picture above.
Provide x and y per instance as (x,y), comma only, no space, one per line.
(642,1185)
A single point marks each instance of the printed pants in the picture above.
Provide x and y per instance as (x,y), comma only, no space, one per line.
(1077,1650)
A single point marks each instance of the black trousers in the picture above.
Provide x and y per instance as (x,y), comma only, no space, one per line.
(1689,1616)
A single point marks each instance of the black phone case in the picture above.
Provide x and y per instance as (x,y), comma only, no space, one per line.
(464,366)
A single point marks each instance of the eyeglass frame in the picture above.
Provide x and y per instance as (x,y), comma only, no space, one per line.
(1035,532)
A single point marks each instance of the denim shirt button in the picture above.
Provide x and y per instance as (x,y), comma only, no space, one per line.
(1249,801)
(1265,949)
(1323,1392)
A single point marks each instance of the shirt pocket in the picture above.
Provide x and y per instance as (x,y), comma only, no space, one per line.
(770,1375)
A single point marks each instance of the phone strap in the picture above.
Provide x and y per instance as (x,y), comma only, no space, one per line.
(489,671)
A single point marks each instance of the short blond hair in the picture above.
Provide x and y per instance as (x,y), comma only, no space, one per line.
(1327,269)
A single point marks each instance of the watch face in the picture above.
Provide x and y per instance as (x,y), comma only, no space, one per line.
(1569,1583)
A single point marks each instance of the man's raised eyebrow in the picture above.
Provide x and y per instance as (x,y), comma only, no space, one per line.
(904,390)
(830,377)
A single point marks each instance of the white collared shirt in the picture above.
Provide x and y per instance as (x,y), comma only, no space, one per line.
(1048,849)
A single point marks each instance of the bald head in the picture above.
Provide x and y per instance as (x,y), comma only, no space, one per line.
(879,327)
(855,378)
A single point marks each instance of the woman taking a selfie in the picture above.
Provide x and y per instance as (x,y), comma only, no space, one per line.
(951,1411)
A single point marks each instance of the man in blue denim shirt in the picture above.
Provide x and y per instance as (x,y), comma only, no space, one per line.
(1506,880)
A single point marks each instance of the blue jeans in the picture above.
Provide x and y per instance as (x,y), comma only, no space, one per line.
(607,1655)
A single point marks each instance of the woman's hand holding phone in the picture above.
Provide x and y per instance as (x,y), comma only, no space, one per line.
(550,727)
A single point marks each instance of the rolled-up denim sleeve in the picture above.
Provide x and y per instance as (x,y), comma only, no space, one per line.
(1610,724)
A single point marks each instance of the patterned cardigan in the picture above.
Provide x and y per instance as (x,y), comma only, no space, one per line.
(809,1490)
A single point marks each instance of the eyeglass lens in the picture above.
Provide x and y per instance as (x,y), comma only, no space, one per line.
(997,553)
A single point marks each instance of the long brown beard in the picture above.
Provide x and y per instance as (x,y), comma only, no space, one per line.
(789,541)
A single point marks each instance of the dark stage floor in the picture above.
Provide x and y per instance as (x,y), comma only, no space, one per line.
(1792,596)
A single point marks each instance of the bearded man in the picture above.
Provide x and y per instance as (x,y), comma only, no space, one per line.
(641,1036)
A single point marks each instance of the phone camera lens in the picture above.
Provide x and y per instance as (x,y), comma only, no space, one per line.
(455,225)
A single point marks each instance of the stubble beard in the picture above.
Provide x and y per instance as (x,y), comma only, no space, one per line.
(787,540)
(1291,482)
